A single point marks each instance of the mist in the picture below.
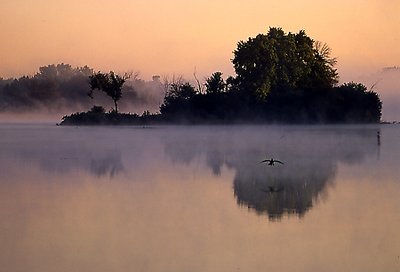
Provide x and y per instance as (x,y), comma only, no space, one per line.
(310,157)
(57,90)
(193,193)
(387,84)
(310,160)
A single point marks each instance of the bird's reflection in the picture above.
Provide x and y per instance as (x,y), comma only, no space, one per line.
(273,189)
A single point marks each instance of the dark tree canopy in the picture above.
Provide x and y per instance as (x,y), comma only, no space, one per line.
(215,83)
(357,103)
(110,83)
(177,99)
(278,61)
(280,77)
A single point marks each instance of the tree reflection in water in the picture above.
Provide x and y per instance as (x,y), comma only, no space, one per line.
(61,159)
(310,155)
(110,164)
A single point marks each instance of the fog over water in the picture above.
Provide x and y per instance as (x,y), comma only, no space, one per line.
(176,198)
(58,90)
(310,159)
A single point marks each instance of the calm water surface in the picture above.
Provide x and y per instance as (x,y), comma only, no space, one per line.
(198,198)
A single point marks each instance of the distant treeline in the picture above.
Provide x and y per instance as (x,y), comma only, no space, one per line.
(62,88)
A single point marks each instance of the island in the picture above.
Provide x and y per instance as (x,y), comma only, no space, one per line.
(279,78)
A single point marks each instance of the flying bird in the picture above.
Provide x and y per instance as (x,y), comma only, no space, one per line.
(272,189)
(271,161)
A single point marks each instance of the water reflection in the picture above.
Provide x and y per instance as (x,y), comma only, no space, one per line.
(109,165)
(61,160)
(173,205)
(310,157)
(61,154)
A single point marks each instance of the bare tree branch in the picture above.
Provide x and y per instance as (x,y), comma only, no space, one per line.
(200,87)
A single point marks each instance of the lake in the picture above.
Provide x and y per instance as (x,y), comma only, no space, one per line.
(197,198)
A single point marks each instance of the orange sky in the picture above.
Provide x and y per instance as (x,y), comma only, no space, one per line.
(166,37)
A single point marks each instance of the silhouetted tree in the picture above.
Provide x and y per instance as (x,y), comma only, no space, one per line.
(280,61)
(177,101)
(215,83)
(110,83)
(355,104)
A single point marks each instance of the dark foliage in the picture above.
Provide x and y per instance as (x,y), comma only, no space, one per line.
(286,78)
(348,103)
(98,116)
(110,83)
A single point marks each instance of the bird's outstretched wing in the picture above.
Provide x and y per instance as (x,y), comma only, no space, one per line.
(265,161)
(278,162)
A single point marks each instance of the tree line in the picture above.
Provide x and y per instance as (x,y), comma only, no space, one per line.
(61,88)
(279,77)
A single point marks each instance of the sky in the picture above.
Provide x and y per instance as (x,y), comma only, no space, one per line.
(182,37)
